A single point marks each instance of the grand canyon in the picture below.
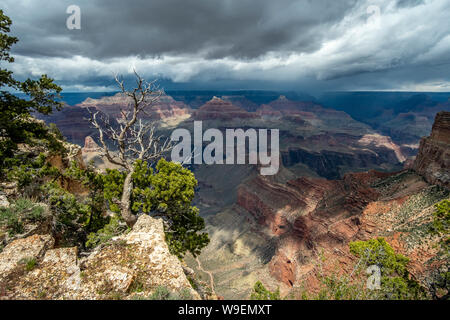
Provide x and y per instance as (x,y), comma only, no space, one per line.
(340,180)
(227,152)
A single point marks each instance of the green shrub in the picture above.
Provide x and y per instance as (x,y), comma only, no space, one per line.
(29,209)
(11,220)
(30,263)
(67,207)
(20,211)
(95,201)
(161,293)
(441,220)
(110,230)
(379,252)
(396,282)
(29,170)
(185,294)
(261,293)
(166,191)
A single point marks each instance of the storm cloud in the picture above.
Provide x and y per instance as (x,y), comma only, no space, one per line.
(329,45)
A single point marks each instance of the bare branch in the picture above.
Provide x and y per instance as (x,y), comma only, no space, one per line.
(135,139)
(105,149)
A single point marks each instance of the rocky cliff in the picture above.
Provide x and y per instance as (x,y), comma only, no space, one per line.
(433,159)
(72,123)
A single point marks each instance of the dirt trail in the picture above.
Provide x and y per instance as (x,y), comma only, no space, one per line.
(211,278)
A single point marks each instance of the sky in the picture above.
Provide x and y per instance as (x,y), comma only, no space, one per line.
(304,45)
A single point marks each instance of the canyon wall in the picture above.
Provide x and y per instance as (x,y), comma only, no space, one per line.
(433,159)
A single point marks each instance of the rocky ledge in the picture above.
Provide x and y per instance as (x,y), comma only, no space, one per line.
(131,266)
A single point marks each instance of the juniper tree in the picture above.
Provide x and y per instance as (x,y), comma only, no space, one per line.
(134,138)
(17,126)
(143,184)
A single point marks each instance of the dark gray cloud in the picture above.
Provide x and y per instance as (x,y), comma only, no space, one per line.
(214,28)
(322,44)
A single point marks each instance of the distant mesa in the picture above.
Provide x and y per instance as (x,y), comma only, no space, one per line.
(217,108)
(285,107)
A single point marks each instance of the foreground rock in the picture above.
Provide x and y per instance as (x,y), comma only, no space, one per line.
(20,252)
(131,266)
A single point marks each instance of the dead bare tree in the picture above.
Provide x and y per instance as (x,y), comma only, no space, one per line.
(134,138)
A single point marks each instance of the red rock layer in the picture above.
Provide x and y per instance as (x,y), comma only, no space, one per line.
(306,214)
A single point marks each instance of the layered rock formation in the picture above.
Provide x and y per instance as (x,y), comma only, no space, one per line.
(279,232)
(72,123)
(332,164)
(130,266)
(433,159)
(165,107)
(326,142)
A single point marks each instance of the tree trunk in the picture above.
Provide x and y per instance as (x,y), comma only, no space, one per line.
(125,202)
